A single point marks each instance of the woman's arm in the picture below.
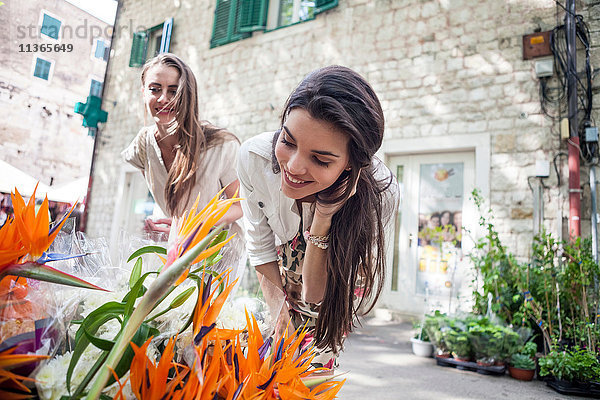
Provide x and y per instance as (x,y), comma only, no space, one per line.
(235,211)
(272,288)
(314,268)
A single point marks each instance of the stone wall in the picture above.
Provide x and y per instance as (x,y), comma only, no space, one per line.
(440,68)
(40,132)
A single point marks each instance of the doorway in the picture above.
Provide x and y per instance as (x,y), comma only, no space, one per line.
(429,262)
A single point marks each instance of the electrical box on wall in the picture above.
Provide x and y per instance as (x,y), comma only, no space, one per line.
(536,45)
(542,168)
(544,68)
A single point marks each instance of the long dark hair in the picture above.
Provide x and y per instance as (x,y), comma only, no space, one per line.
(194,135)
(356,256)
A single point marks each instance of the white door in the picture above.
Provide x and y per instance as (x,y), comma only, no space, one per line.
(429,243)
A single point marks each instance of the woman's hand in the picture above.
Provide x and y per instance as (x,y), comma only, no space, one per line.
(327,211)
(158,230)
(155,226)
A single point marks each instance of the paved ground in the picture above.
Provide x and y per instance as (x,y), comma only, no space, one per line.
(381,366)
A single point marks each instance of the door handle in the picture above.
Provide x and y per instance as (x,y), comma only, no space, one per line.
(410,239)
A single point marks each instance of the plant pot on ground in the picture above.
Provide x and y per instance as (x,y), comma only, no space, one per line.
(522,367)
(421,348)
(421,345)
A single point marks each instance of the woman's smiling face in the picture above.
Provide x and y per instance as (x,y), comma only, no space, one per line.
(311,153)
(160,87)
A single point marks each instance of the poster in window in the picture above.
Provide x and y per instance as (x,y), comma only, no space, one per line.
(440,226)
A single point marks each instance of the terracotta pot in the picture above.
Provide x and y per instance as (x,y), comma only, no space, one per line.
(521,374)
(459,358)
(442,353)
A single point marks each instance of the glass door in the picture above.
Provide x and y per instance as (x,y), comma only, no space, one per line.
(429,240)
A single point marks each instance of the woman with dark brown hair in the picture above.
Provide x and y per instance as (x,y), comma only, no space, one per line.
(317,201)
(180,155)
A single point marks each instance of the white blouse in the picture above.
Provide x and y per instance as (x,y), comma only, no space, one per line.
(270,217)
(216,170)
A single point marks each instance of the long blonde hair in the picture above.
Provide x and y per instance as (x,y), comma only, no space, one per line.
(193,135)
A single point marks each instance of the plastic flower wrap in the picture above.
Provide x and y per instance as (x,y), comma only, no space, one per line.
(171,326)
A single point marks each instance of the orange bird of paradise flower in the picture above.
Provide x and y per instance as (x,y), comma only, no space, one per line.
(193,226)
(230,365)
(11,384)
(34,228)
(24,240)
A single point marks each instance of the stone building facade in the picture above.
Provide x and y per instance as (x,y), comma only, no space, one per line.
(53,54)
(451,77)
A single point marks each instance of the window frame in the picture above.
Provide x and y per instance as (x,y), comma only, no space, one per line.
(94,78)
(266,18)
(41,26)
(37,56)
(106,44)
(167,34)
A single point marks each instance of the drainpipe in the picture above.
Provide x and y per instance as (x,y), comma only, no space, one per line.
(83,223)
(573,143)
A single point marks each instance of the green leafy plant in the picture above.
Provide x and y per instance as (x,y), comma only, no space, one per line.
(433,326)
(511,344)
(555,294)
(485,340)
(571,365)
(458,342)
(420,332)
(529,349)
(522,361)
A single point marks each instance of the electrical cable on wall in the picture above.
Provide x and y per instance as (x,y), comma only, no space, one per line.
(553,90)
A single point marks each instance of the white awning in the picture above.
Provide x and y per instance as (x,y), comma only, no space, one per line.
(69,192)
(11,177)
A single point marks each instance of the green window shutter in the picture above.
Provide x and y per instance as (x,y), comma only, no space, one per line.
(42,68)
(221,25)
(96,88)
(99,53)
(138,49)
(324,5)
(253,15)
(227,23)
(50,26)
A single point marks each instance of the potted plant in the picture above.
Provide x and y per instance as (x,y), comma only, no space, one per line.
(486,341)
(570,369)
(421,345)
(509,343)
(433,326)
(522,367)
(458,343)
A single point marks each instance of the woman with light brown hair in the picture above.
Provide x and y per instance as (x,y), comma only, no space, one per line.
(179,154)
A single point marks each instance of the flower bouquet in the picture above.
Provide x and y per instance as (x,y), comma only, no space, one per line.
(166,332)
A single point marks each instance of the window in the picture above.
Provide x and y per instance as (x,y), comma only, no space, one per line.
(149,43)
(42,68)
(50,26)
(101,50)
(292,11)
(237,19)
(96,88)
